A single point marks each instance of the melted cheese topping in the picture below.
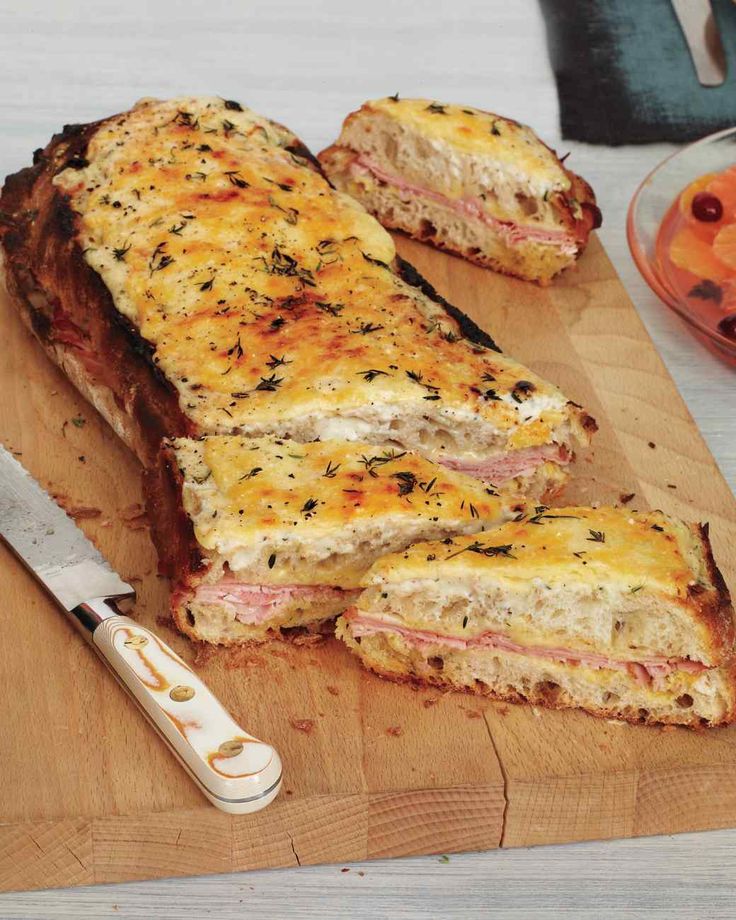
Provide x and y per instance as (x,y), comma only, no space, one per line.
(266,295)
(508,143)
(610,547)
(240,491)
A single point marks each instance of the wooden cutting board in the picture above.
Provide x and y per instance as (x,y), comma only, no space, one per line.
(89,793)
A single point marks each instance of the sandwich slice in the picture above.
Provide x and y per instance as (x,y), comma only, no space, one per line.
(620,613)
(194,273)
(269,538)
(466,180)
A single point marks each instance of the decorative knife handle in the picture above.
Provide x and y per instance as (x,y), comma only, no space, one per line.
(237,772)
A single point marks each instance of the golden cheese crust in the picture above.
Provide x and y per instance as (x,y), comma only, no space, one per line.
(258,298)
(644,554)
(281,512)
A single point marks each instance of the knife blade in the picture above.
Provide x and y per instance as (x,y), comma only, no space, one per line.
(703,39)
(236,772)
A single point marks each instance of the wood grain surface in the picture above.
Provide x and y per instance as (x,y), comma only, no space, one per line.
(89,793)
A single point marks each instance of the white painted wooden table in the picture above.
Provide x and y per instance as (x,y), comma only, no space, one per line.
(307,64)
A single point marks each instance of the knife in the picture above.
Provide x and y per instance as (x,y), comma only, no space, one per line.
(238,773)
(703,40)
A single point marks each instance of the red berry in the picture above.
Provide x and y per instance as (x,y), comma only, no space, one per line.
(706,207)
(727,326)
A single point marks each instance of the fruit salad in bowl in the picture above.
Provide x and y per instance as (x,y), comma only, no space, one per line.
(682,233)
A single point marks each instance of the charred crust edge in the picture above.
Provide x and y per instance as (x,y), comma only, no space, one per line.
(469,329)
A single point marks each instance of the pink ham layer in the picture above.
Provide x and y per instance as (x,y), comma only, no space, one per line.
(511,232)
(642,671)
(506,466)
(255,604)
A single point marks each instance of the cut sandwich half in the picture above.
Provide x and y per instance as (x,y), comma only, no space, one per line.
(270,538)
(466,180)
(622,614)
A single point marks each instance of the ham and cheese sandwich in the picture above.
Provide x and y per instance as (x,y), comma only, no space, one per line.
(193,272)
(466,180)
(623,614)
(270,538)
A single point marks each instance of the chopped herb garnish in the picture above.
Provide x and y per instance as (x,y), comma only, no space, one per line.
(540,513)
(282,185)
(271,560)
(234,178)
(254,472)
(371,374)
(386,457)
(309,505)
(489,551)
(635,588)
(495,130)
(120,253)
(465,621)
(366,329)
(236,349)
(78,421)
(334,309)
(658,528)
(277,362)
(331,470)
(407,481)
(291,214)
(596,536)
(185,120)
(159,259)
(283,264)
(270,384)
(232,105)
(473,511)
(394,98)
(436,109)
(207,285)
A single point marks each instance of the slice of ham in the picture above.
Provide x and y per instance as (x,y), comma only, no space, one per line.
(502,467)
(254,604)
(644,672)
(510,231)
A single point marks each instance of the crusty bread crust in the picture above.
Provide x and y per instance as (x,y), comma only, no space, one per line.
(544,694)
(550,699)
(713,608)
(70,310)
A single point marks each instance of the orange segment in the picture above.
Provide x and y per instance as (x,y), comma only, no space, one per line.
(724,245)
(723,186)
(689,252)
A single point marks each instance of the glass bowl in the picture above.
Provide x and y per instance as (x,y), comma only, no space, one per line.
(649,206)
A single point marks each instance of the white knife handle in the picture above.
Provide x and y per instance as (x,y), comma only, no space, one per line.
(237,772)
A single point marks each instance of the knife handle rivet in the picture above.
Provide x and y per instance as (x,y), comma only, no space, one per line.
(230,748)
(136,642)
(181,693)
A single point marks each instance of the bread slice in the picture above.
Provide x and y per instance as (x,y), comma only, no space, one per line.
(194,273)
(621,613)
(264,537)
(466,180)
